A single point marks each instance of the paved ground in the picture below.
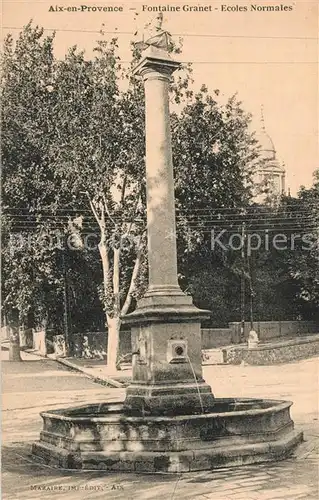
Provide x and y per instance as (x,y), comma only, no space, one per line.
(36,385)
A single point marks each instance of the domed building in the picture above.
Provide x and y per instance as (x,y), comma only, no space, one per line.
(270,175)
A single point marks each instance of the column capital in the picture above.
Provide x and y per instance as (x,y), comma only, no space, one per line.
(157,64)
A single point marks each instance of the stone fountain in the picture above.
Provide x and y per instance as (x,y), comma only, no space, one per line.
(169,421)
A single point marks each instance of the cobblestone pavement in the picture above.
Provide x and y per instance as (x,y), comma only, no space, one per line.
(293,479)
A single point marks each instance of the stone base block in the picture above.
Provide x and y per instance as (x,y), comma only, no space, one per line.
(169,461)
(177,399)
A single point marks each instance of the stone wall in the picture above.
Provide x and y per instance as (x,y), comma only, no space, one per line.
(268,330)
(94,344)
(216,337)
(276,353)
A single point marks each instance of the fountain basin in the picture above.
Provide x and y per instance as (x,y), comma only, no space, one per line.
(101,436)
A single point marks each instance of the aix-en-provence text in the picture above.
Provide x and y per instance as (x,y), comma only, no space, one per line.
(86,8)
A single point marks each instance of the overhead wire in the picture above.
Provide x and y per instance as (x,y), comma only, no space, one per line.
(207,35)
(196,35)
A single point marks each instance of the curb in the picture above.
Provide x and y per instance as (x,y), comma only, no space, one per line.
(99,380)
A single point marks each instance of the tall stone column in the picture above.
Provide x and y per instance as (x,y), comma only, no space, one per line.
(159,177)
(166,328)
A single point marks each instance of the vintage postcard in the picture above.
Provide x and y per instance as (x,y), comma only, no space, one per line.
(160,250)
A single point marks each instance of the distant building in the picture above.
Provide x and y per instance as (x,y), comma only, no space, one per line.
(270,177)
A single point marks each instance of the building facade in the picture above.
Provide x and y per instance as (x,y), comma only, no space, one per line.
(270,176)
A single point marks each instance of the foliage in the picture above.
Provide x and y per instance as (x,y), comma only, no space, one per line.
(27,185)
(73,145)
(304,260)
(33,229)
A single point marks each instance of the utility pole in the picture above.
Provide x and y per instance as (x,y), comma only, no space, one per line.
(73,230)
(251,294)
(66,315)
(242,283)
(251,308)
(252,337)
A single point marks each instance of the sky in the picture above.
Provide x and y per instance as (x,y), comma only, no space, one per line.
(269,58)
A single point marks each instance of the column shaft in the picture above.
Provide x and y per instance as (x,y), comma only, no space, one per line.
(160,185)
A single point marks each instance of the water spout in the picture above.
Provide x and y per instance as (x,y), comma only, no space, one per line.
(196,382)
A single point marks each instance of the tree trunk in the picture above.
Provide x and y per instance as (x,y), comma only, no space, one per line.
(113,341)
(14,345)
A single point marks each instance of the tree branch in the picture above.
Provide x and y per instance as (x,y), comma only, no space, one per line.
(96,215)
(137,265)
(102,209)
(105,265)
(123,189)
(116,279)
(107,210)
(135,210)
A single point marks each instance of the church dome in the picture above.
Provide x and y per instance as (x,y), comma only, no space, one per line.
(270,174)
(267,148)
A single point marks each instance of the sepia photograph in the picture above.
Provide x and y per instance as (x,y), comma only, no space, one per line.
(159,250)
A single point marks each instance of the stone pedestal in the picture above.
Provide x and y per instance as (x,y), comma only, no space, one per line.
(14,347)
(166,336)
(253,340)
(167,365)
